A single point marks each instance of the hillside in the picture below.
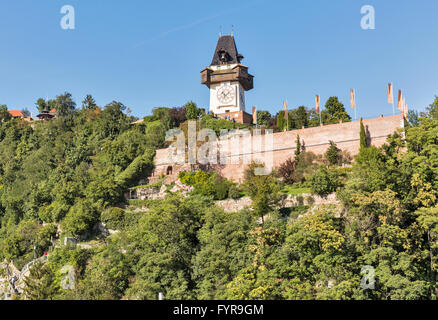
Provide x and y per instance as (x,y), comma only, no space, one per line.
(66,178)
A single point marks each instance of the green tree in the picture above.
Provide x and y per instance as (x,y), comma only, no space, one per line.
(163,116)
(106,276)
(80,218)
(428,220)
(64,104)
(432,110)
(89,102)
(332,154)
(113,217)
(298,147)
(42,105)
(223,252)
(324,182)
(192,111)
(413,118)
(112,121)
(263,118)
(263,189)
(334,111)
(363,136)
(314,118)
(163,245)
(4,114)
(39,284)
(316,251)
(281,121)
(26,112)
(300,118)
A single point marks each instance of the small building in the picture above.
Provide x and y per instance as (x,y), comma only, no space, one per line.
(16,114)
(45,115)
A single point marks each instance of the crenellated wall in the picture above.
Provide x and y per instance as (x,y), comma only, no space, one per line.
(239,152)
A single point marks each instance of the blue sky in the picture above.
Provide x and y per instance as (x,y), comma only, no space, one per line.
(148,54)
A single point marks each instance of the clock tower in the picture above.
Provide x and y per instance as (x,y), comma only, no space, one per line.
(227,80)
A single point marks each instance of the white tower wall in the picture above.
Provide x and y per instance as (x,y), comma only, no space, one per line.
(237,103)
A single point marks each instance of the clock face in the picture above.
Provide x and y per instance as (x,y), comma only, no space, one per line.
(225,94)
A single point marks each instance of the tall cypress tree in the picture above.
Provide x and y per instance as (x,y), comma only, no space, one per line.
(363,136)
(281,121)
(298,149)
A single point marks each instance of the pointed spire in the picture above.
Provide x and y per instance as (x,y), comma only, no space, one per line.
(226,51)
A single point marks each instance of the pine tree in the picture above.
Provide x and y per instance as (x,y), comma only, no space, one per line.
(333,154)
(89,102)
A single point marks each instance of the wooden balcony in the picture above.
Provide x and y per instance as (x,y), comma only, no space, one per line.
(238,73)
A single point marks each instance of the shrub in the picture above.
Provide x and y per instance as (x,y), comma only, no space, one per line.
(53,212)
(80,218)
(113,217)
(222,187)
(45,234)
(234,192)
(297,171)
(324,182)
(20,244)
(286,171)
(310,200)
(207,184)
(186,178)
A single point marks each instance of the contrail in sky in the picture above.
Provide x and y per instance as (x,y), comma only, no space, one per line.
(192,24)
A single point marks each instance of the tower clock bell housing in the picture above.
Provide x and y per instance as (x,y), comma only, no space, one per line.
(227,78)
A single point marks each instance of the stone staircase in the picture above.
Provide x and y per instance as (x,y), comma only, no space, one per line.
(13,283)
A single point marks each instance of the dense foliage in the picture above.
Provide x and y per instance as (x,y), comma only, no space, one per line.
(70,173)
(66,171)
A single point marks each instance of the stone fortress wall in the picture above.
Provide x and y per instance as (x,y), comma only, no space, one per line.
(316,139)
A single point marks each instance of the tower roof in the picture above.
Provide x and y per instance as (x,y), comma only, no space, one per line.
(226,51)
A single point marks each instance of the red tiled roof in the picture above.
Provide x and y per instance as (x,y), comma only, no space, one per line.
(15,113)
(52,111)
